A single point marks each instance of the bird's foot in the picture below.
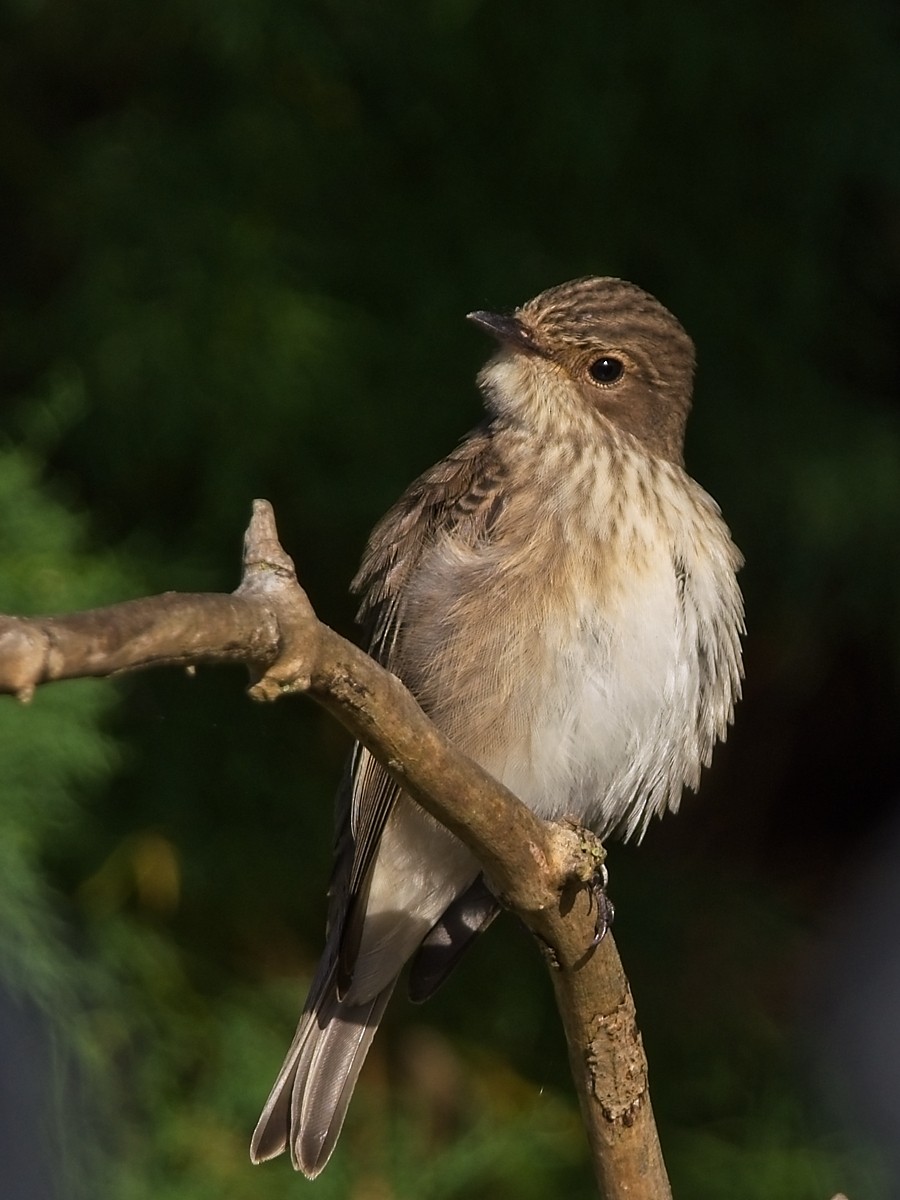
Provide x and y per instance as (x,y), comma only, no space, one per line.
(605,909)
(593,875)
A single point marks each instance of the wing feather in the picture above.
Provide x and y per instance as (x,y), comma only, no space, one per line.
(462,494)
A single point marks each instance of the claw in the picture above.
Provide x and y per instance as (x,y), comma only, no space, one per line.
(606,911)
(595,878)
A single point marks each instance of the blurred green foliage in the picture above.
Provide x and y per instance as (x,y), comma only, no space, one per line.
(50,752)
(237,241)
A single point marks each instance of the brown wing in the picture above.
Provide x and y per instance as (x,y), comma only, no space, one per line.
(462,493)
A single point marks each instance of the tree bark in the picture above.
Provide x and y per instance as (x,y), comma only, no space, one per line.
(538,869)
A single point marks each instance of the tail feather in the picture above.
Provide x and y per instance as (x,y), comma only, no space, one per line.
(307,1106)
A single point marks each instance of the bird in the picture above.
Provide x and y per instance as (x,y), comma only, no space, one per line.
(561,598)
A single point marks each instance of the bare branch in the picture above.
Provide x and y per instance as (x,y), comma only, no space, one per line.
(535,867)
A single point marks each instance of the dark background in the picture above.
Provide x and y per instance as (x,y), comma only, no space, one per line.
(237,244)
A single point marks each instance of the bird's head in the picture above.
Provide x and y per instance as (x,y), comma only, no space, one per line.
(593,348)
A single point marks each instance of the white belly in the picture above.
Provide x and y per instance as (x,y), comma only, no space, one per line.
(575,697)
(603,714)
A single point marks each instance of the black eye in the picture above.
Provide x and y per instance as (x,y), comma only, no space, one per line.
(606,370)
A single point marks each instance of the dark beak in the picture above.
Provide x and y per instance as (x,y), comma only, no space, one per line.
(507,328)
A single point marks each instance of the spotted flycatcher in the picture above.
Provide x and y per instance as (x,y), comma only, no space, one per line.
(561,598)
